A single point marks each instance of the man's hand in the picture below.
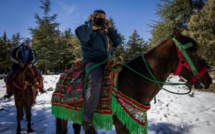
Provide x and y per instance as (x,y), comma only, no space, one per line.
(91,17)
(29,65)
(107,24)
(21,65)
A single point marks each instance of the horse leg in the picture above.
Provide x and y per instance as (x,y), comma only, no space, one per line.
(18,129)
(19,115)
(77,128)
(64,126)
(120,128)
(28,117)
(58,125)
(61,126)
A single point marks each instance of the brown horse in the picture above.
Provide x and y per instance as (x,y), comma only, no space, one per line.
(162,60)
(25,89)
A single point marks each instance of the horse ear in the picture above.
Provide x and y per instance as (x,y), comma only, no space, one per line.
(176,34)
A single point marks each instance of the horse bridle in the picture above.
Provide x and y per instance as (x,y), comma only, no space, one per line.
(185,61)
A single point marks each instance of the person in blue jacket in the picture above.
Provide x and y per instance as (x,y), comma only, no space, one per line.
(22,56)
(97,37)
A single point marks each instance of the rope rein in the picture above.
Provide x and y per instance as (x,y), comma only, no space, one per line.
(154,80)
(159,82)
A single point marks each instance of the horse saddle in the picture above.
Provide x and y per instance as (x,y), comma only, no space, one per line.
(70,87)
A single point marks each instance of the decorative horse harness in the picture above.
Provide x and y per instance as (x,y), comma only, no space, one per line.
(185,61)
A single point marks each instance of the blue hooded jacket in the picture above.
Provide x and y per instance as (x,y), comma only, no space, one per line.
(19,55)
(95,43)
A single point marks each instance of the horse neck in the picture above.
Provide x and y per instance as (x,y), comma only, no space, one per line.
(161,61)
(20,78)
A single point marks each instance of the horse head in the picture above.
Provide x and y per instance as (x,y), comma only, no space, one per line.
(190,66)
(145,75)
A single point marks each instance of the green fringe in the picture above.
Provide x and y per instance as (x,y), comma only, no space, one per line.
(67,114)
(132,126)
(102,121)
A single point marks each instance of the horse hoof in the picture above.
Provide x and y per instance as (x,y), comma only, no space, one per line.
(30,130)
(18,130)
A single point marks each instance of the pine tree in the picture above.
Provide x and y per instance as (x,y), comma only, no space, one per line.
(173,14)
(5,53)
(69,50)
(44,36)
(135,46)
(16,39)
(201,27)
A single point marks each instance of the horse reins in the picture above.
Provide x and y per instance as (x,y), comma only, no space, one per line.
(24,85)
(182,63)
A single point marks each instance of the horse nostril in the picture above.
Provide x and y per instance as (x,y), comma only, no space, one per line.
(211,81)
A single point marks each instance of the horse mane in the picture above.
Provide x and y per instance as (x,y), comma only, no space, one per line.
(139,57)
(184,39)
(155,47)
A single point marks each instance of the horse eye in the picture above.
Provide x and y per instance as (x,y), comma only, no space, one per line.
(194,52)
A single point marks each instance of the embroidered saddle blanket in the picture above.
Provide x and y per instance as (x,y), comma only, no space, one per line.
(67,100)
(68,94)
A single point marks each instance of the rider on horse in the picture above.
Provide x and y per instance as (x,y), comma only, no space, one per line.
(97,37)
(22,56)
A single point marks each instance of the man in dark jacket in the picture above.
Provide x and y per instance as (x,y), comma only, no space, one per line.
(97,37)
(22,56)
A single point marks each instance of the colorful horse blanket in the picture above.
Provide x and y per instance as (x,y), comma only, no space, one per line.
(67,100)
(68,94)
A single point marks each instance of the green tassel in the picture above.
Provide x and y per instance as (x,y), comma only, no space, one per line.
(102,121)
(132,126)
(67,114)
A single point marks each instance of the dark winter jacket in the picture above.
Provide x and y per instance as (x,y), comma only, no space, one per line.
(96,44)
(20,55)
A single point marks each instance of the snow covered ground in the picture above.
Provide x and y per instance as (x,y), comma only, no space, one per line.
(172,114)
